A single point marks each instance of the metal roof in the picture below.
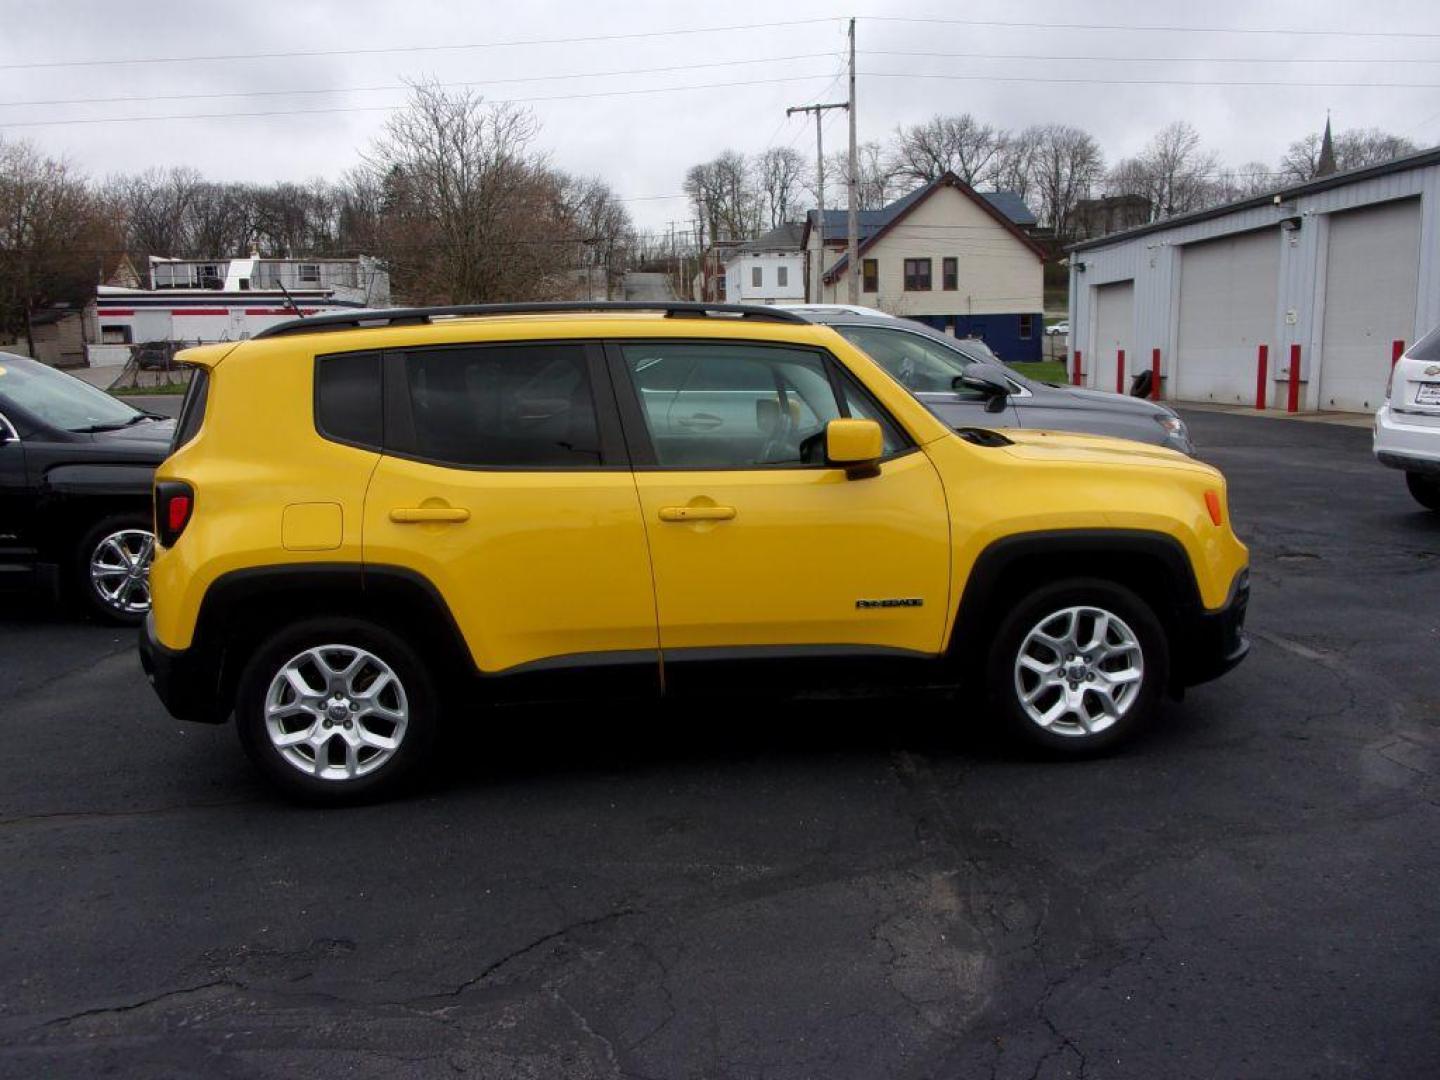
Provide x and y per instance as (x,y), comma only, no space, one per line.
(1310,187)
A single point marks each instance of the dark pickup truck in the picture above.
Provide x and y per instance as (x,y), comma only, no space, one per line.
(75,506)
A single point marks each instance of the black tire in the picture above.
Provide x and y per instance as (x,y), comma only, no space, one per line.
(1070,735)
(125,608)
(1425,488)
(418,700)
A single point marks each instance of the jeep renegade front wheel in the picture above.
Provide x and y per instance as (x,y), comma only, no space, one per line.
(1079,665)
(336,710)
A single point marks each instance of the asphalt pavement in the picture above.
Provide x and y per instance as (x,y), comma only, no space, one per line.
(863,888)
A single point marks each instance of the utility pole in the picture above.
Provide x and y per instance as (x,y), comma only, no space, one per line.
(819,110)
(852,252)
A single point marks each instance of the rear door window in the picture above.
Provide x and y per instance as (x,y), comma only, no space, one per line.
(504,406)
(192,409)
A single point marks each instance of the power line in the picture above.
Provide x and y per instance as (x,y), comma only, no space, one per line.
(406,86)
(289,54)
(393,108)
(1386,60)
(1150,82)
(1136,28)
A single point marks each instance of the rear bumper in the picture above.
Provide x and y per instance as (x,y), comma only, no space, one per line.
(1215,641)
(186,680)
(1409,441)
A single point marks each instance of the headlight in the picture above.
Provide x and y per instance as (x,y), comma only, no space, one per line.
(1173,425)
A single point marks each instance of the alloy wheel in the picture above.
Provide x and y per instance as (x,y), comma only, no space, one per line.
(1078,671)
(336,712)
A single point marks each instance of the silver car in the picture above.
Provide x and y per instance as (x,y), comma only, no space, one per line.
(961,381)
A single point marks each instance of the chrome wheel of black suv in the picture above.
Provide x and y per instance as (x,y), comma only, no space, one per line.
(1078,665)
(112,568)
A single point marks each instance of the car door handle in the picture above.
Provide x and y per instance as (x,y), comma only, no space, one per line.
(412,515)
(697,513)
(700,421)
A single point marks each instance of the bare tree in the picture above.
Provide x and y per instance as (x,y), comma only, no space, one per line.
(51,233)
(1354,149)
(780,175)
(603,227)
(471,214)
(1067,164)
(958,144)
(1013,166)
(1252,178)
(1173,172)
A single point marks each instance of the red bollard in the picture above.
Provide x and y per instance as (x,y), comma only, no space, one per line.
(1262,382)
(1078,378)
(1154,374)
(1119,371)
(1294,403)
(1397,350)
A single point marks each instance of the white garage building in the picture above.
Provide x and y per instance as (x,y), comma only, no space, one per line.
(1343,267)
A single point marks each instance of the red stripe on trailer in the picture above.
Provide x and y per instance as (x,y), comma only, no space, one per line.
(116,311)
(1119,371)
(1294,403)
(200,311)
(1397,350)
(1154,374)
(1079,377)
(1261,381)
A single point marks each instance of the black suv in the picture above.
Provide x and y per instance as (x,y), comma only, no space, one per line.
(75,473)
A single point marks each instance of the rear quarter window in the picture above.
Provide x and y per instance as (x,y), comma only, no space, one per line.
(348,399)
(192,409)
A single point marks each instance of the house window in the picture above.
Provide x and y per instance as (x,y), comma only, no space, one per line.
(949,274)
(870,275)
(1027,327)
(782,276)
(917,275)
(310,273)
(757,276)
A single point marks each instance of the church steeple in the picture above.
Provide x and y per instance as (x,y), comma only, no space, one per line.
(1326,165)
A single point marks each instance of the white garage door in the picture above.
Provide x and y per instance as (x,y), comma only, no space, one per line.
(1228,295)
(1114,324)
(1371,280)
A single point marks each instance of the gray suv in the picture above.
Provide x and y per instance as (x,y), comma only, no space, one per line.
(963,383)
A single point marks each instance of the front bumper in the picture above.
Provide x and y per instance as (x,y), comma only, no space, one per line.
(1215,641)
(1409,441)
(186,680)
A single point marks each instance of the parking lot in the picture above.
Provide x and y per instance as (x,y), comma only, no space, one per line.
(861,888)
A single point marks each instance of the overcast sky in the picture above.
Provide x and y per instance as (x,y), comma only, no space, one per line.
(642,143)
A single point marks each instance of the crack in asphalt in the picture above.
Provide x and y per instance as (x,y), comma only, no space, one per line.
(106,815)
(131,1006)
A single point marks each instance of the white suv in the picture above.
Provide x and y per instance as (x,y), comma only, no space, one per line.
(1407,426)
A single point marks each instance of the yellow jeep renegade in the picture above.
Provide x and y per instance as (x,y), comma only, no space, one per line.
(367,516)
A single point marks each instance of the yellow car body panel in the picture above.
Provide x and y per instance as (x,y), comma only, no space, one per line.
(556,563)
(798,554)
(547,564)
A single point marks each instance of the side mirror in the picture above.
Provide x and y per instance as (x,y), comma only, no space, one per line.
(856,445)
(987,380)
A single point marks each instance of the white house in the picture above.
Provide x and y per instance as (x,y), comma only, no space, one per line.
(1335,274)
(946,255)
(199,300)
(769,269)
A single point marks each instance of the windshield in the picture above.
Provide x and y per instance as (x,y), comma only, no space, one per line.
(61,400)
(917,362)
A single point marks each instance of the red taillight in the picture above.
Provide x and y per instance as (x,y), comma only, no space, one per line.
(174,503)
(177,513)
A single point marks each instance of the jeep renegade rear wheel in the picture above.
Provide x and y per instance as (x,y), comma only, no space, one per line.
(336,710)
(1078,666)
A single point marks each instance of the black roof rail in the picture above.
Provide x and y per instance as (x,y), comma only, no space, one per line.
(381,317)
